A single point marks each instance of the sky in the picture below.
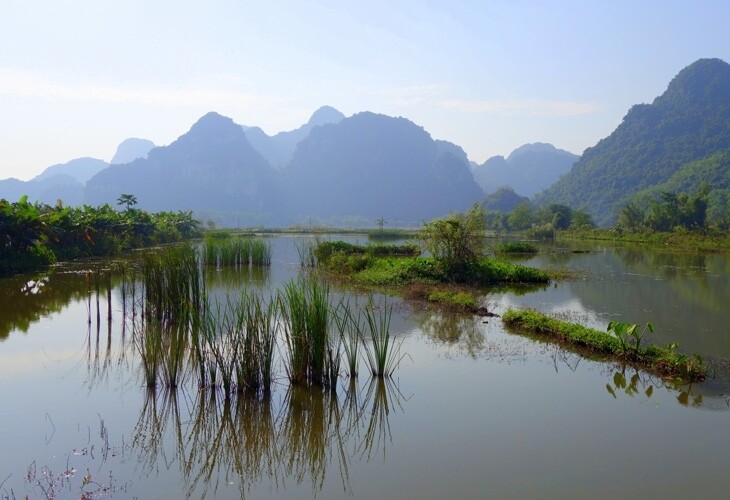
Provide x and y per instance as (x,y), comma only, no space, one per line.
(78,77)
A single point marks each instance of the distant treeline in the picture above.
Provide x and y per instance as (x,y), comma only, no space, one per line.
(664,213)
(541,222)
(33,235)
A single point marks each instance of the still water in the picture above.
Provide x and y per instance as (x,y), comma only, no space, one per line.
(472,411)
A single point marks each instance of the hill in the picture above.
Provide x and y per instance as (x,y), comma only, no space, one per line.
(369,166)
(278,149)
(689,121)
(527,170)
(212,167)
(131,149)
(503,200)
(81,169)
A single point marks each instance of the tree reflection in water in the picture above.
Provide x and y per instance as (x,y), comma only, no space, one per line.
(247,440)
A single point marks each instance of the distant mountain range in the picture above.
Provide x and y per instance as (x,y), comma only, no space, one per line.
(527,170)
(343,171)
(352,170)
(688,122)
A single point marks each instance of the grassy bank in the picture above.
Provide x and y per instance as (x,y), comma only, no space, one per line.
(685,241)
(663,361)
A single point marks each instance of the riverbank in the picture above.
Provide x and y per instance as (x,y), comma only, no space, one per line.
(682,241)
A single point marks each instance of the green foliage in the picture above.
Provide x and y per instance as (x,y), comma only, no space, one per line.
(628,334)
(581,220)
(34,235)
(456,241)
(383,353)
(669,212)
(462,300)
(690,121)
(517,247)
(621,342)
(325,251)
(128,200)
(521,217)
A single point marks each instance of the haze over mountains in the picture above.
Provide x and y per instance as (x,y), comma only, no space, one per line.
(527,170)
(352,170)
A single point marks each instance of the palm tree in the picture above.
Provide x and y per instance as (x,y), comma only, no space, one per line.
(128,200)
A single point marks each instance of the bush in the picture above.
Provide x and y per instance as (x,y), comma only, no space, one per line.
(456,241)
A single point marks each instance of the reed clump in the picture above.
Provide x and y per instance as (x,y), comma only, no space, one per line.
(236,253)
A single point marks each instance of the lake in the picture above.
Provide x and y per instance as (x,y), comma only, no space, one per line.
(471,412)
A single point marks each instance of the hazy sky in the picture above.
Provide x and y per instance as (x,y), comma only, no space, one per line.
(78,77)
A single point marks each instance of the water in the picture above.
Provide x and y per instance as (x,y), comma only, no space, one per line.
(472,412)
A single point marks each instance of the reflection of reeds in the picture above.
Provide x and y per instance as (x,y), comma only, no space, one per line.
(246,440)
(384,395)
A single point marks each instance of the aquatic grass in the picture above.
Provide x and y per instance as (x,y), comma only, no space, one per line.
(517,247)
(293,307)
(662,361)
(349,328)
(173,284)
(317,328)
(383,353)
(260,254)
(149,345)
(306,252)
(173,348)
(458,299)
(236,253)
(305,308)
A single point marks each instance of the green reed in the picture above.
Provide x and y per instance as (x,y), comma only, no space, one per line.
(383,353)
(349,328)
(174,285)
(236,252)
(306,310)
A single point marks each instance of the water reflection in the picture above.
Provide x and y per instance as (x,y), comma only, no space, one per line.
(303,436)
(458,331)
(626,381)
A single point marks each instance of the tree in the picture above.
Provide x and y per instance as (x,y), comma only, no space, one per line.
(581,220)
(521,217)
(456,241)
(127,199)
(631,217)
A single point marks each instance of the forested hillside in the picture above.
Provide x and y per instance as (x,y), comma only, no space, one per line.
(689,121)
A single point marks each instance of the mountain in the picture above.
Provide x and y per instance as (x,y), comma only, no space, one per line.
(369,166)
(47,190)
(278,149)
(212,167)
(528,169)
(689,121)
(81,169)
(503,200)
(131,149)
(64,181)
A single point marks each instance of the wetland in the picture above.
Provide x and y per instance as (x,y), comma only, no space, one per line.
(471,410)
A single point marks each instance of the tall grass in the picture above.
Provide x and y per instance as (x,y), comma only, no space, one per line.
(236,252)
(349,328)
(311,358)
(174,285)
(383,353)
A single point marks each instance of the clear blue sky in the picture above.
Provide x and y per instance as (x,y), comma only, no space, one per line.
(78,77)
